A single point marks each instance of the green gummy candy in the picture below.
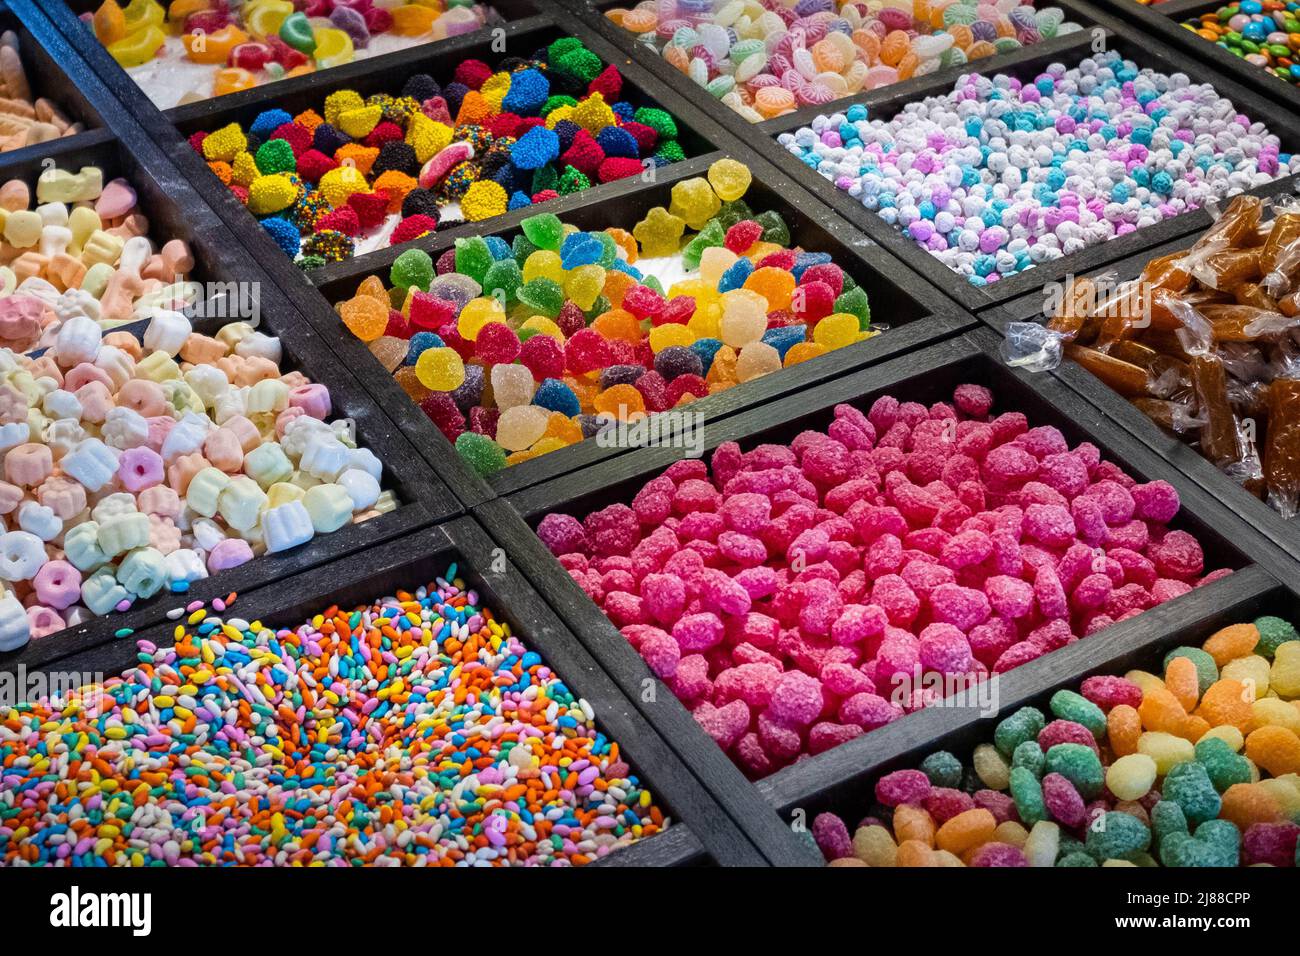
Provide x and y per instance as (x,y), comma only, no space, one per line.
(733,212)
(543,296)
(653,283)
(1025,724)
(481,453)
(1223,764)
(1117,836)
(1078,764)
(521,247)
(414,268)
(599,307)
(544,230)
(1207,672)
(711,235)
(1030,756)
(854,302)
(473,258)
(503,275)
(1027,793)
(774,227)
(1067,705)
(1189,786)
(943,769)
(1273,631)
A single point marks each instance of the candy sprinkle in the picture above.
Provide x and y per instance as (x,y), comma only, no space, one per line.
(415,731)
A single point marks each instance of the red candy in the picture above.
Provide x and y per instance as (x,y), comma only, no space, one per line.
(793,595)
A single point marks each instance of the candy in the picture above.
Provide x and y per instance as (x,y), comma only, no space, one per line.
(190,50)
(561,321)
(599,808)
(1265,33)
(764,61)
(386,169)
(1003,187)
(833,556)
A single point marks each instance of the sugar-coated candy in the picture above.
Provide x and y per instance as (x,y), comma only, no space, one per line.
(1010,174)
(519,349)
(1161,774)
(900,555)
(452,644)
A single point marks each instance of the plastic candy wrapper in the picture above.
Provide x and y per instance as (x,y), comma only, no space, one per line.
(1205,342)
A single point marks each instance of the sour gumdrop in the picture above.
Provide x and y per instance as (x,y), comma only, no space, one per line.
(474,258)
(729,178)
(481,453)
(694,201)
(520,426)
(412,269)
(542,295)
(440,369)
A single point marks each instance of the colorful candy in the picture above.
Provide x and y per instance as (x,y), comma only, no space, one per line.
(516,350)
(385,170)
(315,746)
(194,49)
(1263,32)
(79,248)
(999,175)
(25,119)
(765,59)
(1197,764)
(795,597)
(1203,343)
(135,467)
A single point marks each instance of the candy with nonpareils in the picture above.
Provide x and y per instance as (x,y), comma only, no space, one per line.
(817,590)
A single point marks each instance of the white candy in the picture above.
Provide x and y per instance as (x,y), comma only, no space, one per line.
(124,428)
(324,458)
(329,505)
(92,463)
(15,629)
(208,383)
(21,555)
(166,332)
(78,341)
(186,436)
(286,526)
(259,345)
(39,520)
(61,403)
(143,572)
(207,533)
(365,460)
(361,486)
(14,434)
(110,506)
(185,564)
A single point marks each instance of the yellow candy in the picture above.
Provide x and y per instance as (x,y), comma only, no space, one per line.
(478,313)
(543,264)
(440,369)
(266,17)
(543,326)
(333,48)
(1166,750)
(138,48)
(670,334)
(836,331)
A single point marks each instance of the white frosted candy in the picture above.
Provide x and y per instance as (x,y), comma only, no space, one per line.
(15,628)
(240,504)
(39,520)
(185,564)
(143,572)
(81,547)
(186,436)
(229,404)
(324,458)
(300,431)
(286,526)
(124,428)
(101,592)
(204,489)
(207,533)
(110,506)
(365,460)
(329,505)
(267,464)
(92,463)
(208,383)
(21,555)
(61,403)
(268,395)
(77,303)
(78,341)
(123,532)
(361,486)
(259,345)
(14,434)
(136,253)
(166,332)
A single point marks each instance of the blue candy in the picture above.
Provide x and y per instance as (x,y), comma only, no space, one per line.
(555,396)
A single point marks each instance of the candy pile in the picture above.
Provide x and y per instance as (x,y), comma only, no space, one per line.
(768,58)
(83,251)
(416,731)
(1263,32)
(133,466)
(384,170)
(1198,767)
(25,120)
(795,597)
(998,175)
(1206,343)
(190,50)
(518,350)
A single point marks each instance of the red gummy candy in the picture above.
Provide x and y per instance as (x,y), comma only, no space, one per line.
(742,235)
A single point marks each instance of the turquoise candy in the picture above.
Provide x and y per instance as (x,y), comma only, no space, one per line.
(297,32)
(1067,705)
(1076,859)
(1167,820)
(1079,765)
(1224,765)
(1116,835)
(1027,793)
(943,769)
(1030,756)
(1189,786)
(1273,631)
(1025,724)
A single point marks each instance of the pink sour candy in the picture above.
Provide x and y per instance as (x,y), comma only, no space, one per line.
(796,596)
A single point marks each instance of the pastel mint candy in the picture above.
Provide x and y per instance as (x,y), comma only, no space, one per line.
(1117,836)
(1030,756)
(1273,631)
(1189,786)
(943,769)
(1077,859)
(1025,724)
(1027,792)
(1067,705)
(1079,765)
(1224,765)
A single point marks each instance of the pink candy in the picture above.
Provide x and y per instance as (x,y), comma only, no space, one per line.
(795,597)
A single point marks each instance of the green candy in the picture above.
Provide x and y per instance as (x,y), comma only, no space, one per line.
(1027,793)
(503,277)
(1189,786)
(580,63)
(1117,836)
(1076,860)
(545,231)
(521,247)
(658,120)
(544,296)
(711,235)
(275,156)
(943,769)
(670,151)
(774,227)
(599,307)
(572,181)
(1025,724)
(730,213)
(1207,672)
(414,269)
(1030,756)
(1079,765)
(296,31)
(1067,705)
(1223,764)
(473,258)
(1273,632)
(481,453)
(1167,819)
(854,302)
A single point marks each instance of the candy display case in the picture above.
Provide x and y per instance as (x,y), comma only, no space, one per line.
(924,376)
(1179,450)
(1026,65)
(913,314)
(699,832)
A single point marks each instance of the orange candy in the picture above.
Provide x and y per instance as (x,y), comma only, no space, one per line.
(624,402)
(365,317)
(1227,702)
(775,285)
(625,241)
(1232,642)
(618,324)
(1123,728)
(232,79)
(1276,749)
(215,47)
(1245,804)
(1161,711)
(966,831)
(412,20)
(1182,681)
(914,825)
(109,23)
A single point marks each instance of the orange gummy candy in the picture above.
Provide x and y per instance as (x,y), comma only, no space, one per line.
(775,285)
(213,47)
(109,23)
(625,241)
(1274,748)
(1227,702)
(1123,728)
(1161,711)
(1232,642)
(1182,681)
(365,316)
(913,824)
(622,401)
(618,324)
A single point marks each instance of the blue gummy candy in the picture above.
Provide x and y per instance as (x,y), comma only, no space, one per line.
(555,396)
